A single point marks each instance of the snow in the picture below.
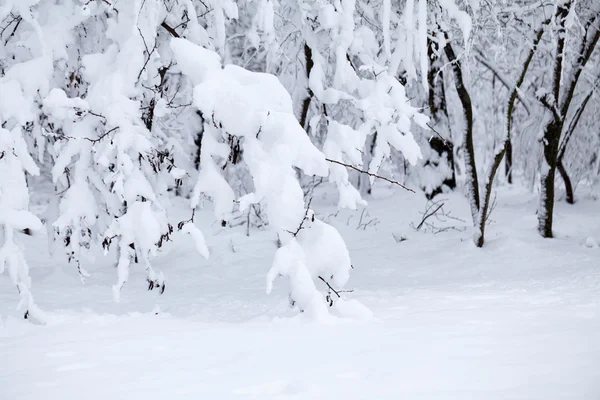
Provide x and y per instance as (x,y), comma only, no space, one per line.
(462,18)
(13,103)
(518,319)
(409,47)
(325,251)
(198,238)
(139,114)
(194,61)
(422,42)
(385,22)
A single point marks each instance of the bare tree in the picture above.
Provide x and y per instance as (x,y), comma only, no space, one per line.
(570,195)
(506,146)
(465,100)
(559,107)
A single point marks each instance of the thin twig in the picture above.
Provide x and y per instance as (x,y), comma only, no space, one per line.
(169,29)
(148,51)
(102,136)
(330,288)
(19,20)
(437,133)
(303,219)
(369,173)
(425,216)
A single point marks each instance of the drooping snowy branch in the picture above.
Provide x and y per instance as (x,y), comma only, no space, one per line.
(257,109)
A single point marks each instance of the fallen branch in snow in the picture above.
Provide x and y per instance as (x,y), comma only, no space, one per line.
(399,239)
(427,214)
(436,210)
(364,225)
(370,174)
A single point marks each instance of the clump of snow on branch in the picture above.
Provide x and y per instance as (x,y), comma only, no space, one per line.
(15,162)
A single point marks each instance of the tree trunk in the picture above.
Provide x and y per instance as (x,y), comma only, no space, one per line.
(568,185)
(198,141)
(470,167)
(508,162)
(309,94)
(483,212)
(437,108)
(506,149)
(546,205)
(563,147)
(364,182)
(560,109)
(553,130)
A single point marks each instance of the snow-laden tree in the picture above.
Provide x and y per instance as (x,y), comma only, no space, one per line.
(15,162)
(561,43)
(109,96)
(349,90)
(255,108)
(577,26)
(88,84)
(120,105)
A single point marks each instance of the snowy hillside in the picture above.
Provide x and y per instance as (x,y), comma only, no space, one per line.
(518,319)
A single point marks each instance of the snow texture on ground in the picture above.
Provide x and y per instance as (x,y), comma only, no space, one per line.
(518,319)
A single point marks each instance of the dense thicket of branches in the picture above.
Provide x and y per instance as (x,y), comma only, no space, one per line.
(119,105)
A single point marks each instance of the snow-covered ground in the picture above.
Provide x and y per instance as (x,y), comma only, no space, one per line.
(518,319)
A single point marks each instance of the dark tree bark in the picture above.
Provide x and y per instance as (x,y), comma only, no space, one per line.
(483,212)
(508,162)
(546,207)
(437,107)
(198,141)
(470,167)
(570,198)
(560,109)
(570,195)
(505,81)
(306,102)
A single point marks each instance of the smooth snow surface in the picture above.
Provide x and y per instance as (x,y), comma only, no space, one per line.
(518,319)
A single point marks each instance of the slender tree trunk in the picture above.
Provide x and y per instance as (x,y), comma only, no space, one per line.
(470,166)
(487,190)
(364,183)
(198,141)
(506,149)
(552,131)
(546,205)
(309,94)
(437,108)
(560,110)
(568,185)
(570,195)
(508,164)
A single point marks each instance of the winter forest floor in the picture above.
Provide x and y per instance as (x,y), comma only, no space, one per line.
(518,319)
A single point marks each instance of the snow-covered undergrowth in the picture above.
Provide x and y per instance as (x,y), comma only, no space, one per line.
(518,319)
